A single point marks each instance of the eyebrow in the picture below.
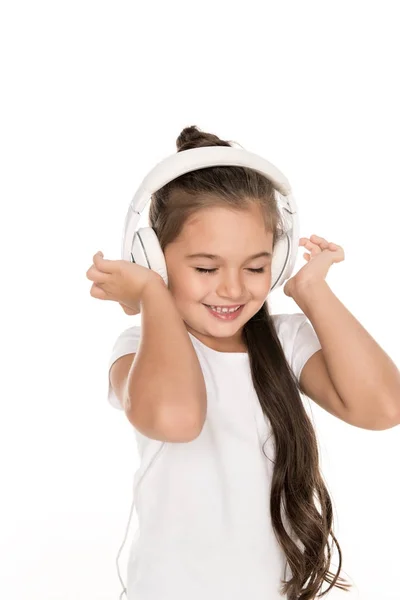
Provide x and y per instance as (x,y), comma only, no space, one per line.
(216,257)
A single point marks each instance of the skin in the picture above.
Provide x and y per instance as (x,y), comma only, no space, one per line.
(233,235)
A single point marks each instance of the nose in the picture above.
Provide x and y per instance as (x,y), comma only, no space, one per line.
(231,286)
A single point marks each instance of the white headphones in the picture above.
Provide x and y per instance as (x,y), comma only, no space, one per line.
(142,247)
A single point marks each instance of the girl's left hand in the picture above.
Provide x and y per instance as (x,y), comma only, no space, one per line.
(322,255)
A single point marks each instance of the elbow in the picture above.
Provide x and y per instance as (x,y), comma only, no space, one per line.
(393,420)
(182,426)
(393,411)
(382,423)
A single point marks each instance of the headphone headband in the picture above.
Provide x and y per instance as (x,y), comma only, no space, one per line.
(192,160)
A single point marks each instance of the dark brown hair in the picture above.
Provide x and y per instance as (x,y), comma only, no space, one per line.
(297,487)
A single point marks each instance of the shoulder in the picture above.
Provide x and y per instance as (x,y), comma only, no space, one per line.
(298,339)
(287,325)
(127,342)
(131,333)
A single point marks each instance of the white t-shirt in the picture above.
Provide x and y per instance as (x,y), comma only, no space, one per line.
(205,531)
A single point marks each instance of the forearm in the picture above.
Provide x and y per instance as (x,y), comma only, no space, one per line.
(364,376)
(166,377)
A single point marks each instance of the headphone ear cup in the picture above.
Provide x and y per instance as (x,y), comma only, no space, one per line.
(146,251)
(285,250)
(279,262)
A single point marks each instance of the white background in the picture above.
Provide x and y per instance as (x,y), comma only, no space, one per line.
(93,95)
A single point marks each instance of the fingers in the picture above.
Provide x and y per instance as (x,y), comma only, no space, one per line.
(320,241)
(313,247)
(316,240)
(97,276)
(323,242)
(97,292)
(101,263)
(99,272)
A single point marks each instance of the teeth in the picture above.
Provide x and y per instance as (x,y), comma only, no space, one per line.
(224,310)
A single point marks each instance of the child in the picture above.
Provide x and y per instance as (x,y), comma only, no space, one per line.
(230,499)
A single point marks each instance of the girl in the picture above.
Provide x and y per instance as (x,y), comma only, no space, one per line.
(235,494)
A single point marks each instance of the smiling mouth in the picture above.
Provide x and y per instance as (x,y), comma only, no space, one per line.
(225,315)
(223,306)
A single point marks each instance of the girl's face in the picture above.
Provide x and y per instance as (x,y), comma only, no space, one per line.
(234,236)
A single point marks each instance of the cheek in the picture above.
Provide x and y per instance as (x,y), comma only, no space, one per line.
(261,286)
(188,287)
(195,286)
(266,281)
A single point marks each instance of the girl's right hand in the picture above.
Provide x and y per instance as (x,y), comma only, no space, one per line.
(120,281)
(129,311)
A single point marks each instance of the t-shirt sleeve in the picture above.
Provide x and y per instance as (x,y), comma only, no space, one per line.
(305,344)
(298,338)
(126,343)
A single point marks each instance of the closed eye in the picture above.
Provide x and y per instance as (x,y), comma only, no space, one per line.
(200,270)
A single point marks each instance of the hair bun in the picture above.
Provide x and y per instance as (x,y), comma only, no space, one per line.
(193,137)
